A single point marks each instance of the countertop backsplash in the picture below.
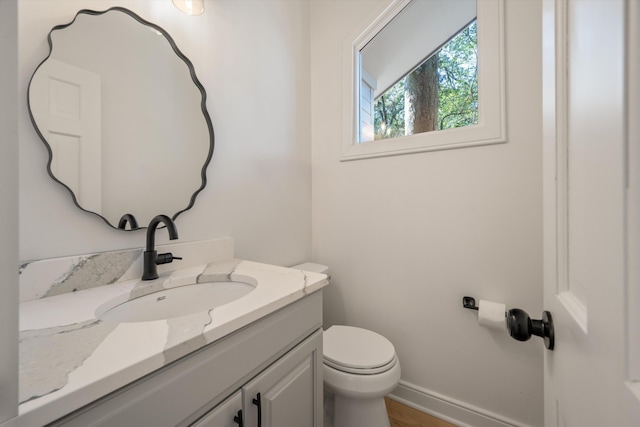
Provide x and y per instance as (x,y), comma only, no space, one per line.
(56,276)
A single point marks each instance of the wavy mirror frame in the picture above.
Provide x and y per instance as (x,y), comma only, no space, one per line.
(126,217)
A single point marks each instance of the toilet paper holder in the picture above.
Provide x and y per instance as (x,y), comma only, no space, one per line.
(520,326)
(469,302)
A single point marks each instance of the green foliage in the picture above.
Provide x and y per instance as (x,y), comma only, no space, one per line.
(389,113)
(458,80)
(457,89)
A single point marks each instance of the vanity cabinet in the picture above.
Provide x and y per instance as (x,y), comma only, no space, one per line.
(283,395)
(276,360)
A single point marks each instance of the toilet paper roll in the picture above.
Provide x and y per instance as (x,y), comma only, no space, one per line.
(492,315)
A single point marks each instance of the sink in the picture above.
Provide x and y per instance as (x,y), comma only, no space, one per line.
(176,302)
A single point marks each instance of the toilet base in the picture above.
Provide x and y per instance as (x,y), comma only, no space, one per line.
(350,412)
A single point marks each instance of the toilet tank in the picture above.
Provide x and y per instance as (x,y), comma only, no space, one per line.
(312,266)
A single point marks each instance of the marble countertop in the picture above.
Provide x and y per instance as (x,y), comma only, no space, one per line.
(70,358)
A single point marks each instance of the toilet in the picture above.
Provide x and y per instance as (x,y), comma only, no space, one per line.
(360,368)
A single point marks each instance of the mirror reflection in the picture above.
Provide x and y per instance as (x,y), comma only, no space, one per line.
(420,72)
(123,116)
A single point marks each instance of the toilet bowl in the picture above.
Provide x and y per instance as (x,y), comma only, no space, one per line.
(360,367)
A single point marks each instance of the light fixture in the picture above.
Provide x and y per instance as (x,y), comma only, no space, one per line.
(190,7)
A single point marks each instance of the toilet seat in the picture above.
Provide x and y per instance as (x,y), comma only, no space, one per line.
(357,351)
(362,371)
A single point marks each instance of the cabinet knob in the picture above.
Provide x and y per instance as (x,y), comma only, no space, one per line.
(238,419)
(258,402)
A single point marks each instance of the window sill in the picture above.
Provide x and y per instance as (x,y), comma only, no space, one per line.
(468,136)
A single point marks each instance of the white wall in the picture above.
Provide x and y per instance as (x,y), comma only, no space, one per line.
(406,237)
(252,58)
(8,210)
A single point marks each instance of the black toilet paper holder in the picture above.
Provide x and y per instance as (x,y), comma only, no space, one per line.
(520,326)
(469,302)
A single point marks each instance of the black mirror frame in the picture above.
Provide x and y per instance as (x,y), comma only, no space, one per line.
(194,78)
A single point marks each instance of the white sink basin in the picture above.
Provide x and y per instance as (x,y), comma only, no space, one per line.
(176,302)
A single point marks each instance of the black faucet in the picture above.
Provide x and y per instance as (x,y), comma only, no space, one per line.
(151,256)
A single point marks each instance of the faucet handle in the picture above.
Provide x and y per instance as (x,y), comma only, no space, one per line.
(166,258)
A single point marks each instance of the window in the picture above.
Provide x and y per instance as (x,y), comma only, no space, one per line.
(440,93)
(426,75)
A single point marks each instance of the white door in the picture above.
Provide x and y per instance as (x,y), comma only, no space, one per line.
(66,102)
(589,376)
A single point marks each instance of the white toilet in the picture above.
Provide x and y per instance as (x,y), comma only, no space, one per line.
(360,368)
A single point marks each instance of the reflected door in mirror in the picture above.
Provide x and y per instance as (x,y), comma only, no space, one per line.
(67,103)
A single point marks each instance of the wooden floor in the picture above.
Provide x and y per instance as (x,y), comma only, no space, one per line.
(403,416)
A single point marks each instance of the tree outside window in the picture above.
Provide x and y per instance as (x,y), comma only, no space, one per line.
(441,93)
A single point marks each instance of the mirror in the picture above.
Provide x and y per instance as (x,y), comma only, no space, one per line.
(123,117)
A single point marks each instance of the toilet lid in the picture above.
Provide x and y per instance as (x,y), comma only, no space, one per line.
(350,348)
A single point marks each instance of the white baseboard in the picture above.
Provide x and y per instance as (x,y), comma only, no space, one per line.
(448,409)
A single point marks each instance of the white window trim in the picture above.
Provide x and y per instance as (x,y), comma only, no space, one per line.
(491,127)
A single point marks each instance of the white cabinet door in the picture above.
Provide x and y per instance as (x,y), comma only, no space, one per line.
(226,414)
(289,392)
(587,377)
